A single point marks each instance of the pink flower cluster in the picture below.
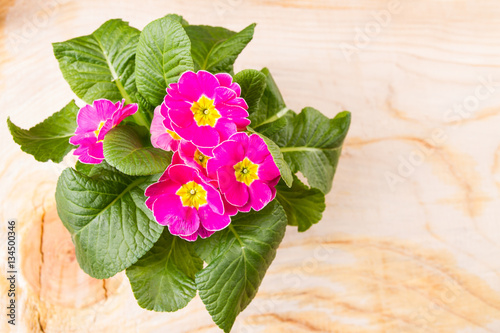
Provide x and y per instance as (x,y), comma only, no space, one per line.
(216,170)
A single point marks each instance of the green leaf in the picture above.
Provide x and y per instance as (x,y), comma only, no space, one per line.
(215,49)
(101,65)
(238,258)
(252,85)
(270,129)
(102,170)
(304,206)
(109,222)
(311,143)
(49,140)
(271,105)
(128,149)
(163,279)
(145,108)
(178,18)
(163,54)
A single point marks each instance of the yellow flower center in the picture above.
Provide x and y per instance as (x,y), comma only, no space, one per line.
(246,171)
(98,130)
(200,158)
(173,134)
(192,195)
(205,112)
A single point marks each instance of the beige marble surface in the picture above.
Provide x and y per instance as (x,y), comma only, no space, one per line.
(410,240)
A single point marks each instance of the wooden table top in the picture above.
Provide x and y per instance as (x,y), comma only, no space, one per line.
(410,239)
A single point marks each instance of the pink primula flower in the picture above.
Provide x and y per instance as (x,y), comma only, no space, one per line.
(94,122)
(186,203)
(192,156)
(206,109)
(245,170)
(162,135)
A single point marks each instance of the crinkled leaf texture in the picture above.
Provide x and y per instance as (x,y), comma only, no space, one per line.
(49,140)
(109,222)
(215,49)
(128,149)
(238,258)
(101,65)
(304,206)
(163,54)
(253,84)
(163,279)
(271,105)
(145,108)
(101,171)
(311,143)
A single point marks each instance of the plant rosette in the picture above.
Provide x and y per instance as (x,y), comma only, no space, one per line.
(181,162)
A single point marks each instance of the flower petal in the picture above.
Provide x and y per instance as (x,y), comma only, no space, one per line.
(231,152)
(96,150)
(173,92)
(167,142)
(123,113)
(105,108)
(182,173)
(242,138)
(208,82)
(226,128)
(231,111)
(268,171)
(241,123)
(206,136)
(229,209)
(150,201)
(176,159)
(162,188)
(85,139)
(239,102)
(236,193)
(184,224)
(108,125)
(211,220)
(190,238)
(204,233)
(87,119)
(260,194)
(226,80)
(189,86)
(84,157)
(207,151)
(176,104)
(181,117)
(157,128)
(168,210)
(187,151)
(223,94)
(257,149)
(214,199)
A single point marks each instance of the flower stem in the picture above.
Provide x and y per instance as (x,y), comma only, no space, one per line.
(138,116)
(139,119)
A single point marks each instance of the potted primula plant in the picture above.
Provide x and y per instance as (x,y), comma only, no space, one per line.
(181,162)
